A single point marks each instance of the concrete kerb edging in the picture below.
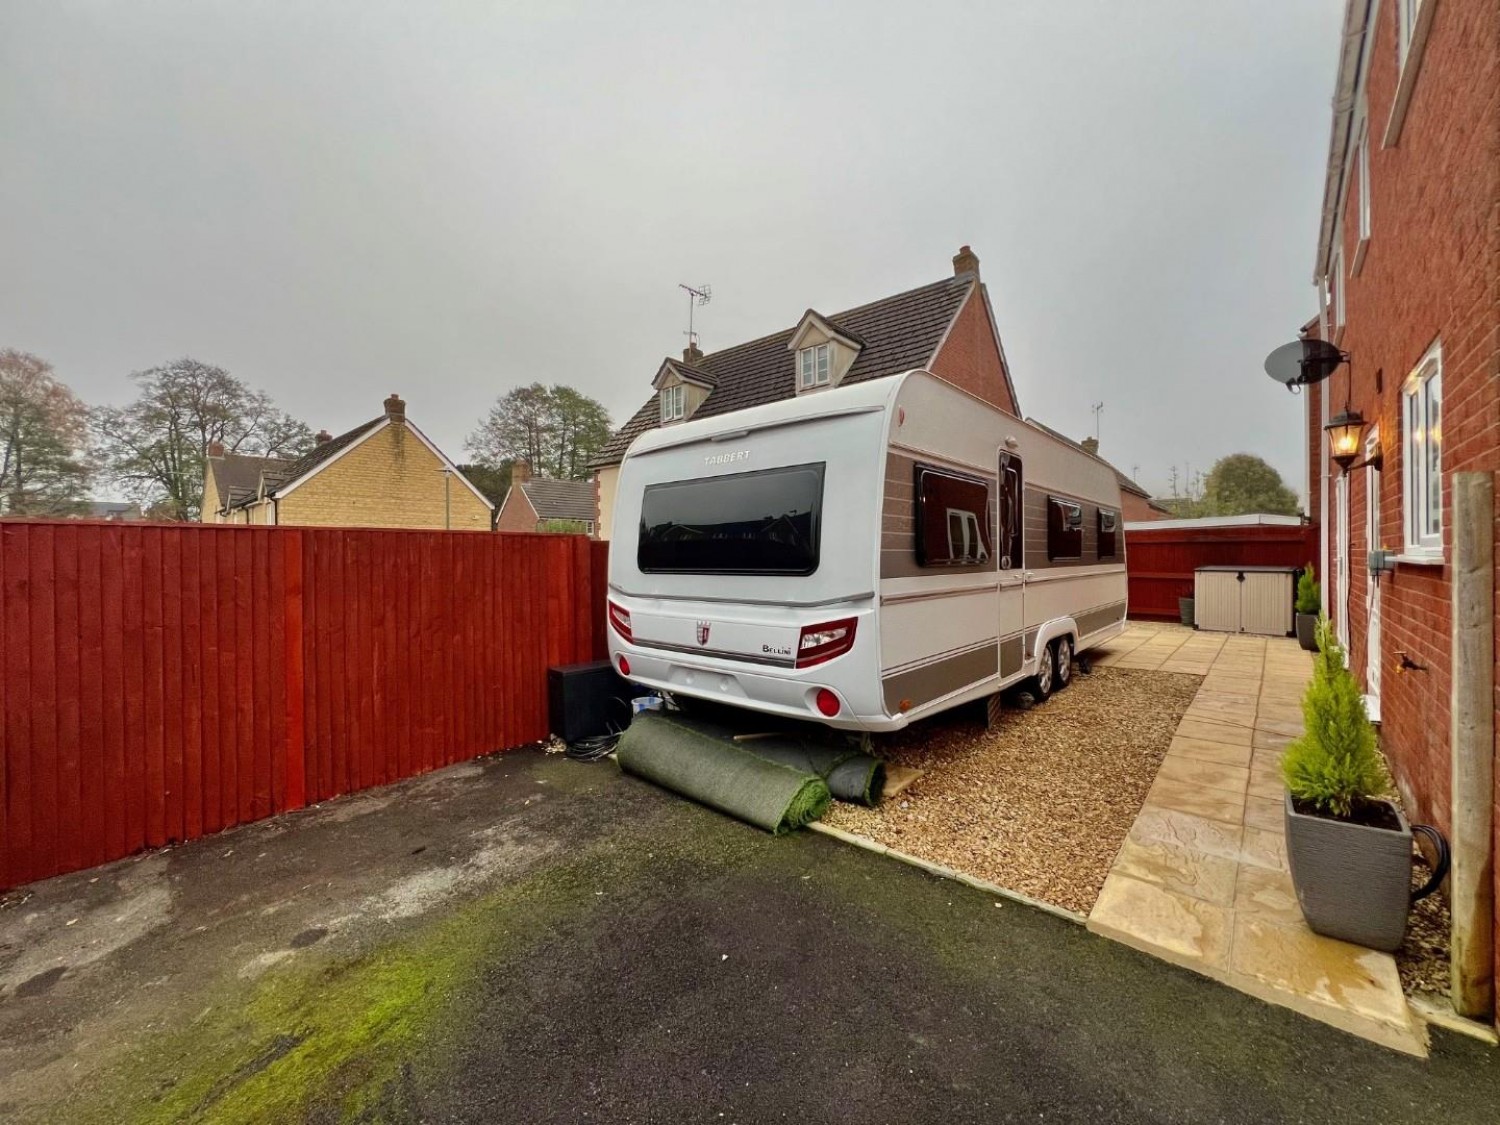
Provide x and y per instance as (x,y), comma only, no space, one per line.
(942,872)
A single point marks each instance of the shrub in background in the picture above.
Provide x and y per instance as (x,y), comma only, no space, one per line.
(1309,593)
(1334,765)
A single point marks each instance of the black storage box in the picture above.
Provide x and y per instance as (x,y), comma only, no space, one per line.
(587,700)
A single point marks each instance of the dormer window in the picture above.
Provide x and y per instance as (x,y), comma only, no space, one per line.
(813,367)
(673,403)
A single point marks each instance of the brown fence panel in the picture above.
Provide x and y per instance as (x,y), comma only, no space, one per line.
(165,681)
(1160,561)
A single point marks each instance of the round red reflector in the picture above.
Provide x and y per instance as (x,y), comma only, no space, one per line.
(624,667)
(828,703)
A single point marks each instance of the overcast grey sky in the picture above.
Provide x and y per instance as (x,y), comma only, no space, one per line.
(446,199)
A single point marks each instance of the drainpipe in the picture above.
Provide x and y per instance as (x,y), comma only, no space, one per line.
(1471,887)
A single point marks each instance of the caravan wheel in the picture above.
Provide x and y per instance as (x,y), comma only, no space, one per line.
(1062,658)
(1040,686)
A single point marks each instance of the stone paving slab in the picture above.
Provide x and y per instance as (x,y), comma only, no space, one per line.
(1201,880)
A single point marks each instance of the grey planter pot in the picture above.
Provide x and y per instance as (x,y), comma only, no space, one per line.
(1185,611)
(1353,882)
(1307,630)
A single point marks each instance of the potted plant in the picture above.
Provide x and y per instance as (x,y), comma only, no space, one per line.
(1309,599)
(1348,847)
(1185,607)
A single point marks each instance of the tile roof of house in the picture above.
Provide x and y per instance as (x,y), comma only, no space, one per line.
(237,475)
(561,499)
(897,333)
(328,449)
(1126,484)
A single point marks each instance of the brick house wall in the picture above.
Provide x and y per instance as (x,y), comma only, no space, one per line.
(516,513)
(1430,274)
(1134,508)
(970,357)
(390,479)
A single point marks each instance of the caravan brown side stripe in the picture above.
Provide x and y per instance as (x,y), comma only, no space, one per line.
(1097,619)
(924,684)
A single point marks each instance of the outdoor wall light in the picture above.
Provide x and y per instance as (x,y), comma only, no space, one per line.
(1344,430)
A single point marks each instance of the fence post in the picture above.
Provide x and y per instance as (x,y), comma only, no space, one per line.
(1472,730)
(296,756)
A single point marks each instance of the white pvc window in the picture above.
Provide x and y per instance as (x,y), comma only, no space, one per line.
(1406,27)
(1422,455)
(673,403)
(812,367)
(1364,187)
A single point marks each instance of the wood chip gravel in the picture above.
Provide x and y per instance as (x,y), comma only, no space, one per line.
(1041,804)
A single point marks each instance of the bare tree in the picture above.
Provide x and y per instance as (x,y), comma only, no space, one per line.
(43,428)
(157,446)
(558,430)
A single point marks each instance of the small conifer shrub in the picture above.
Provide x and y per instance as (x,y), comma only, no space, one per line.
(1309,593)
(1334,765)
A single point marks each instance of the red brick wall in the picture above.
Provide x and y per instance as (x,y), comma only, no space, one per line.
(1134,507)
(516,513)
(1431,272)
(970,358)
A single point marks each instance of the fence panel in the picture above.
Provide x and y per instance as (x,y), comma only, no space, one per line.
(165,681)
(1160,561)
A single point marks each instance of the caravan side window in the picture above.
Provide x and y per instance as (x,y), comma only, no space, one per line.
(1012,512)
(1064,528)
(1109,524)
(953,520)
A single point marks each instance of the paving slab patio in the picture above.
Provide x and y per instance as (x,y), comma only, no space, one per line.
(1201,880)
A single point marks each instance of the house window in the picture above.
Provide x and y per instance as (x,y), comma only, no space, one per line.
(1109,524)
(1363,159)
(1422,448)
(953,519)
(1336,286)
(674,403)
(1406,26)
(812,367)
(1064,529)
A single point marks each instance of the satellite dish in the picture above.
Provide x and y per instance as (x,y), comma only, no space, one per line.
(1303,362)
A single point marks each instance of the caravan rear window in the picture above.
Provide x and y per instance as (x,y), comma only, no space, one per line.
(764,522)
(953,519)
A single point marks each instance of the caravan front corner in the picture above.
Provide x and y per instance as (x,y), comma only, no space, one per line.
(862,556)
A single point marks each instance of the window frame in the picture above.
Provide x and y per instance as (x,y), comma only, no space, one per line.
(815,360)
(1100,532)
(980,523)
(676,394)
(1337,281)
(1056,552)
(1421,519)
(1407,12)
(1362,181)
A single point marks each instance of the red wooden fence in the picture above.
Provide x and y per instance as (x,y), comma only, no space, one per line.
(161,682)
(1160,561)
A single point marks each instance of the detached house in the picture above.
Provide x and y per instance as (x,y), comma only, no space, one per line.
(538,504)
(947,327)
(1404,438)
(383,473)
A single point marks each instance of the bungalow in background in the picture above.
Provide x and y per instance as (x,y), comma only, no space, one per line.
(538,504)
(384,473)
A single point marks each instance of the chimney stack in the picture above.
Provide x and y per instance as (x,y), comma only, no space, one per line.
(691,355)
(323,437)
(395,408)
(965,261)
(216,449)
(1090,445)
(520,472)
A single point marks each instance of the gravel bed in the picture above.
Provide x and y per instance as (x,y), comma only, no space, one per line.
(1041,804)
(1423,956)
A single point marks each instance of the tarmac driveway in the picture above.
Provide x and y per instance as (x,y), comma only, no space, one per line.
(527,939)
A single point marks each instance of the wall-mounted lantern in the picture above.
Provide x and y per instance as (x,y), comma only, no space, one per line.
(1344,431)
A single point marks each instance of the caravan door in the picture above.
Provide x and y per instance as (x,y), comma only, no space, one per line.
(1010,560)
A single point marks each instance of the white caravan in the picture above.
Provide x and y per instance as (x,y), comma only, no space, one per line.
(862,556)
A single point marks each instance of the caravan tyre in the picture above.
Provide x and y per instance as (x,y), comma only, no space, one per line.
(1062,660)
(1041,685)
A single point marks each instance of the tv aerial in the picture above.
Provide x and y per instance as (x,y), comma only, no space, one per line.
(697,297)
(1303,363)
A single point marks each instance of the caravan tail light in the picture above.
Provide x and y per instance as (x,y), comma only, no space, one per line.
(828,703)
(823,642)
(619,620)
